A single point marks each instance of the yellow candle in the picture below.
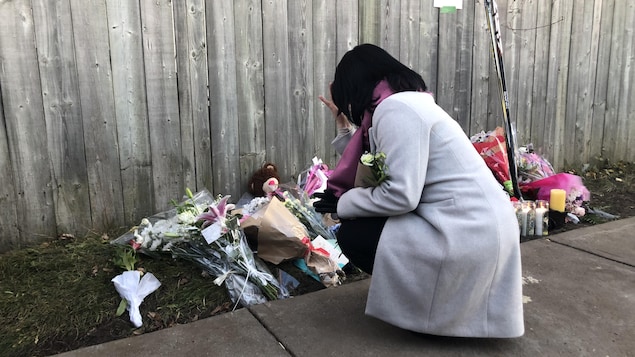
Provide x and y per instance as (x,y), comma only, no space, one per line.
(557,199)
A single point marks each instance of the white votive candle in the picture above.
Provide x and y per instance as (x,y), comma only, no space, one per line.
(542,209)
(540,213)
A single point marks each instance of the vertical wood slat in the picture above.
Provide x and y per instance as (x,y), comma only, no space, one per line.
(481,68)
(558,74)
(616,80)
(183,82)
(162,98)
(131,113)
(580,86)
(427,45)
(628,112)
(62,113)
(324,41)
(25,125)
(625,125)
(250,88)
(279,136)
(526,34)
(191,44)
(544,26)
(455,78)
(223,103)
(9,233)
(302,98)
(90,34)
(602,84)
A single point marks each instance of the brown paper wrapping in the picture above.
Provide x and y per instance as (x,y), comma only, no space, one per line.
(362,175)
(277,231)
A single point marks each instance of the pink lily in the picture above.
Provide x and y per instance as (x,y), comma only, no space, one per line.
(216,212)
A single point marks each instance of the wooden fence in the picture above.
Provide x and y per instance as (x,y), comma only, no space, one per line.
(111,108)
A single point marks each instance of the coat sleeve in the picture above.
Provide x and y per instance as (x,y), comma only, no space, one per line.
(403,135)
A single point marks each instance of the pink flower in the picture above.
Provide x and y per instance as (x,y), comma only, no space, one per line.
(216,212)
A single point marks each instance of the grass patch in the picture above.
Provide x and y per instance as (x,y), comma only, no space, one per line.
(58,296)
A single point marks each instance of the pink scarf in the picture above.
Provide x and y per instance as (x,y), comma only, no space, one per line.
(342,178)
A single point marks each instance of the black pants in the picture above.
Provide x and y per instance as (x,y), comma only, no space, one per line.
(358,239)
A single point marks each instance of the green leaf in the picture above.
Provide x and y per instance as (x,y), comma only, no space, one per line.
(122,307)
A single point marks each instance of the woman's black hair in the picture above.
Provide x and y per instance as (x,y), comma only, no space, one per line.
(360,70)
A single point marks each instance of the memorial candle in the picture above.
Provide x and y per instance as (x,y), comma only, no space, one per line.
(557,199)
(542,209)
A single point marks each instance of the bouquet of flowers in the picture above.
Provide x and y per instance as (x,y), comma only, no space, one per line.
(207,232)
(492,148)
(158,233)
(371,170)
(314,179)
(531,166)
(284,228)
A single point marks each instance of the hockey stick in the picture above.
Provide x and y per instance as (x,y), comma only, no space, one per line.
(497,50)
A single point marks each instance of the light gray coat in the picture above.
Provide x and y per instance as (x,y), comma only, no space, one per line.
(448,260)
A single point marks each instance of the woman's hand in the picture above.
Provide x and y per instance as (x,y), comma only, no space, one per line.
(341,120)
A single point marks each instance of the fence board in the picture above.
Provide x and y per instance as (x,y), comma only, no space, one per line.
(223,102)
(481,63)
(90,34)
(9,233)
(612,128)
(181,11)
(601,84)
(625,126)
(526,34)
(455,45)
(302,97)
(25,125)
(628,113)
(131,114)
(369,21)
(325,31)
(427,45)
(544,26)
(558,74)
(62,113)
(162,96)
(281,146)
(410,34)
(250,87)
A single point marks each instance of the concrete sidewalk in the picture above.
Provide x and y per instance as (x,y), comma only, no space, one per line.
(580,301)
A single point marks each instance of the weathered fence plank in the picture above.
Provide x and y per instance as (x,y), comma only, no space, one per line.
(25,124)
(427,46)
(62,113)
(558,74)
(159,54)
(90,34)
(9,234)
(324,41)
(544,26)
(131,112)
(601,84)
(221,36)
(250,88)
(455,70)
(302,97)
(281,144)
(614,133)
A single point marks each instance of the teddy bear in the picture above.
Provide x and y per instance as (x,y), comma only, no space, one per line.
(264,181)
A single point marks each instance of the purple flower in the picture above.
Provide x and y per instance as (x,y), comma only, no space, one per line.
(216,212)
